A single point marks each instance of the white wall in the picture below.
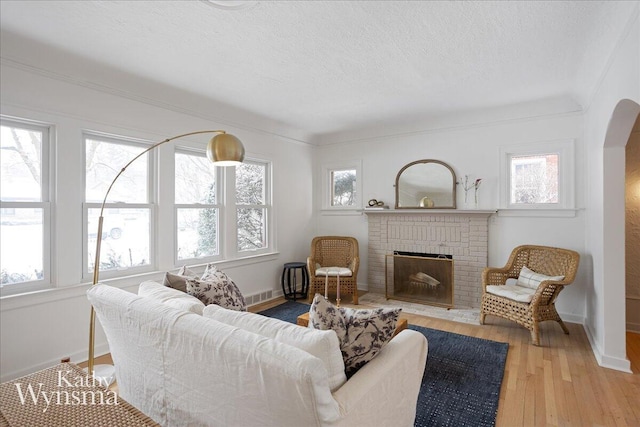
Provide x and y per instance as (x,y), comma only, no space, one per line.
(37,329)
(598,295)
(608,122)
(472,150)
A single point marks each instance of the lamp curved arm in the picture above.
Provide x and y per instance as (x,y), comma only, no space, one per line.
(96,265)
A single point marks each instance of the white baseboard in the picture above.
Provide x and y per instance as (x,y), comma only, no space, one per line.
(605,361)
(76,357)
(633,327)
(572,318)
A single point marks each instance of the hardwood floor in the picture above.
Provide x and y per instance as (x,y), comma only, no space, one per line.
(556,384)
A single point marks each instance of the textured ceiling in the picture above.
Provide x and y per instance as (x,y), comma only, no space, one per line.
(333,66)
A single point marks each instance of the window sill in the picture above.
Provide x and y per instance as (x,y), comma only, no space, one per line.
(341,212)
(28,298)
(539,213)
(9,291)
(236,262)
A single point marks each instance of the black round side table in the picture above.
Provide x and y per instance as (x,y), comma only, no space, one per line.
(289,280)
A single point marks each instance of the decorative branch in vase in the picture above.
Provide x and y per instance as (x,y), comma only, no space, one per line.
(466,186)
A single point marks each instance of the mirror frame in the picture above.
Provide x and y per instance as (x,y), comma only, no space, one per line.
(453,186)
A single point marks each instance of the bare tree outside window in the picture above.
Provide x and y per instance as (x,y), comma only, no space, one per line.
(201,208)
(21,164)
(208,226)
(343,187)
(22,212)
(251,209)
(197,211)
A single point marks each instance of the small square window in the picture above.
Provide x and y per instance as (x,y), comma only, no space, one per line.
(534,179)
(537,176)
(343,187)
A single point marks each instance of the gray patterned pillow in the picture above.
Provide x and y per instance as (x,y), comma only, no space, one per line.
(179,280)
(215,287)
(362,333)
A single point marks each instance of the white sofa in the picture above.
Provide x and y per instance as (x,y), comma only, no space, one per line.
(184,369)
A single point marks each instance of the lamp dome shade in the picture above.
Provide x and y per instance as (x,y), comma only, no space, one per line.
(225,150)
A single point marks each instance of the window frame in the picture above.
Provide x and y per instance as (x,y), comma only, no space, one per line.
(47,185)
(565,150)
(151,205)
(327,185)
(227,214)
(220,190)
(267,206)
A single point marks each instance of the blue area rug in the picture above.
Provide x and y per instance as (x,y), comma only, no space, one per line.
(461,383)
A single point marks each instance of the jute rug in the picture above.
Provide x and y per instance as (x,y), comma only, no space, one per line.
(464,315)
(462,379)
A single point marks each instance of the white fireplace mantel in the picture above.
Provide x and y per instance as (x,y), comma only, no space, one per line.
(465,212)
(462,233)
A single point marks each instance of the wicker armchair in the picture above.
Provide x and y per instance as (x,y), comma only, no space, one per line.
(334,252)
(544,260)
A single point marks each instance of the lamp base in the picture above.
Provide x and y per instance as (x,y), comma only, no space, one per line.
(104,374)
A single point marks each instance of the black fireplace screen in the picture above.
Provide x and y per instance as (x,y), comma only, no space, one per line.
(421,278)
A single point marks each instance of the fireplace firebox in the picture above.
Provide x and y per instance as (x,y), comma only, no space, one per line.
(420,277)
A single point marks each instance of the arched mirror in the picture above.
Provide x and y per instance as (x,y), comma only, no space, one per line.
(426,184)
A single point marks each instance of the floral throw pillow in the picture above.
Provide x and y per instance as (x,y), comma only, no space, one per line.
(326,316)
(211,271)
(215,287)
(362,332)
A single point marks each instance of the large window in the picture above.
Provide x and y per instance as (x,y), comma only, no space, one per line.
(539,176)
(127,245)
(221,212)
(252,203)
(25,228)
(197,197)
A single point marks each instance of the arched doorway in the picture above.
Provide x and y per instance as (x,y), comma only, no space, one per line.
(622,121)
(632,243)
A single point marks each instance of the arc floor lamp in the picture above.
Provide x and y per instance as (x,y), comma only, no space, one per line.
(223,150)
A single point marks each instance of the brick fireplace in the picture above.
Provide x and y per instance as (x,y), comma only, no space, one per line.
(464,234)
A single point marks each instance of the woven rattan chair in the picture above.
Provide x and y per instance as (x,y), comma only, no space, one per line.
(543,260)
(334,253)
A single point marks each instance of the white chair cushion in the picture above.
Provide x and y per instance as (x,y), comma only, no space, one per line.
(322,344)
(531,279)
(334,271)
(170,297)
(514,292)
